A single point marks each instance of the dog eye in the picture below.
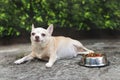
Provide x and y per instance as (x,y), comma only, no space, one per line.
(33,34)
(43,34)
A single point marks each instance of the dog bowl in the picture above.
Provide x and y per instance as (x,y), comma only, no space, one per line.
(94,60)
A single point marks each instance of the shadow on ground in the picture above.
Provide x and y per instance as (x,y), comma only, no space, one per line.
(62,69)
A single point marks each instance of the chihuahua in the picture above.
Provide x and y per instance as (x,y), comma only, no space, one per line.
(45,46)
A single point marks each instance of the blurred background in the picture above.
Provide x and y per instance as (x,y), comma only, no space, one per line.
(78,19)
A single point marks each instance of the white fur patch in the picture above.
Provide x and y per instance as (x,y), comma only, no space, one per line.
(66,51)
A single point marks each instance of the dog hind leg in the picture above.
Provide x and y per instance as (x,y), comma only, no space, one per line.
(81,49)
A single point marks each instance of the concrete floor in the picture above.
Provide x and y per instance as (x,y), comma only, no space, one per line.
(62,69)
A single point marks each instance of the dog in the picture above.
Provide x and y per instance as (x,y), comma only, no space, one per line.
(45,46)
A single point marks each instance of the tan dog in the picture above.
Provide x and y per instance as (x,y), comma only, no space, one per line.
(45,46)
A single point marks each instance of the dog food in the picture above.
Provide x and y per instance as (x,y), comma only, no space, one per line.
(94,55)
(94,60)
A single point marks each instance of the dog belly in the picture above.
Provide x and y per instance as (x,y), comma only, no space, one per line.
(66,52)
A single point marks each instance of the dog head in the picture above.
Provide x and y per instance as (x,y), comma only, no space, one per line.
(41,35)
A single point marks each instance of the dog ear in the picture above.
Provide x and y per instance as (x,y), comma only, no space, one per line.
(50,29)
(33,27)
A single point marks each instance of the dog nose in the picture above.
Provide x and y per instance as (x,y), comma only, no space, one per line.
(36,37)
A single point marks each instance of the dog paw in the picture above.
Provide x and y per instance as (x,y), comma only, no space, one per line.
(91,51)
(48,65)
(18,61)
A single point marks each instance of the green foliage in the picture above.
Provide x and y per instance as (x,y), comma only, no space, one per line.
(17,15)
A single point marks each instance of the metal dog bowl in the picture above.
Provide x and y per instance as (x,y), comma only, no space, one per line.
(94,60)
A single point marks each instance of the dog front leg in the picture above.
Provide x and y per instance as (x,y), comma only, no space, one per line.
(25,58)
(51,61)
